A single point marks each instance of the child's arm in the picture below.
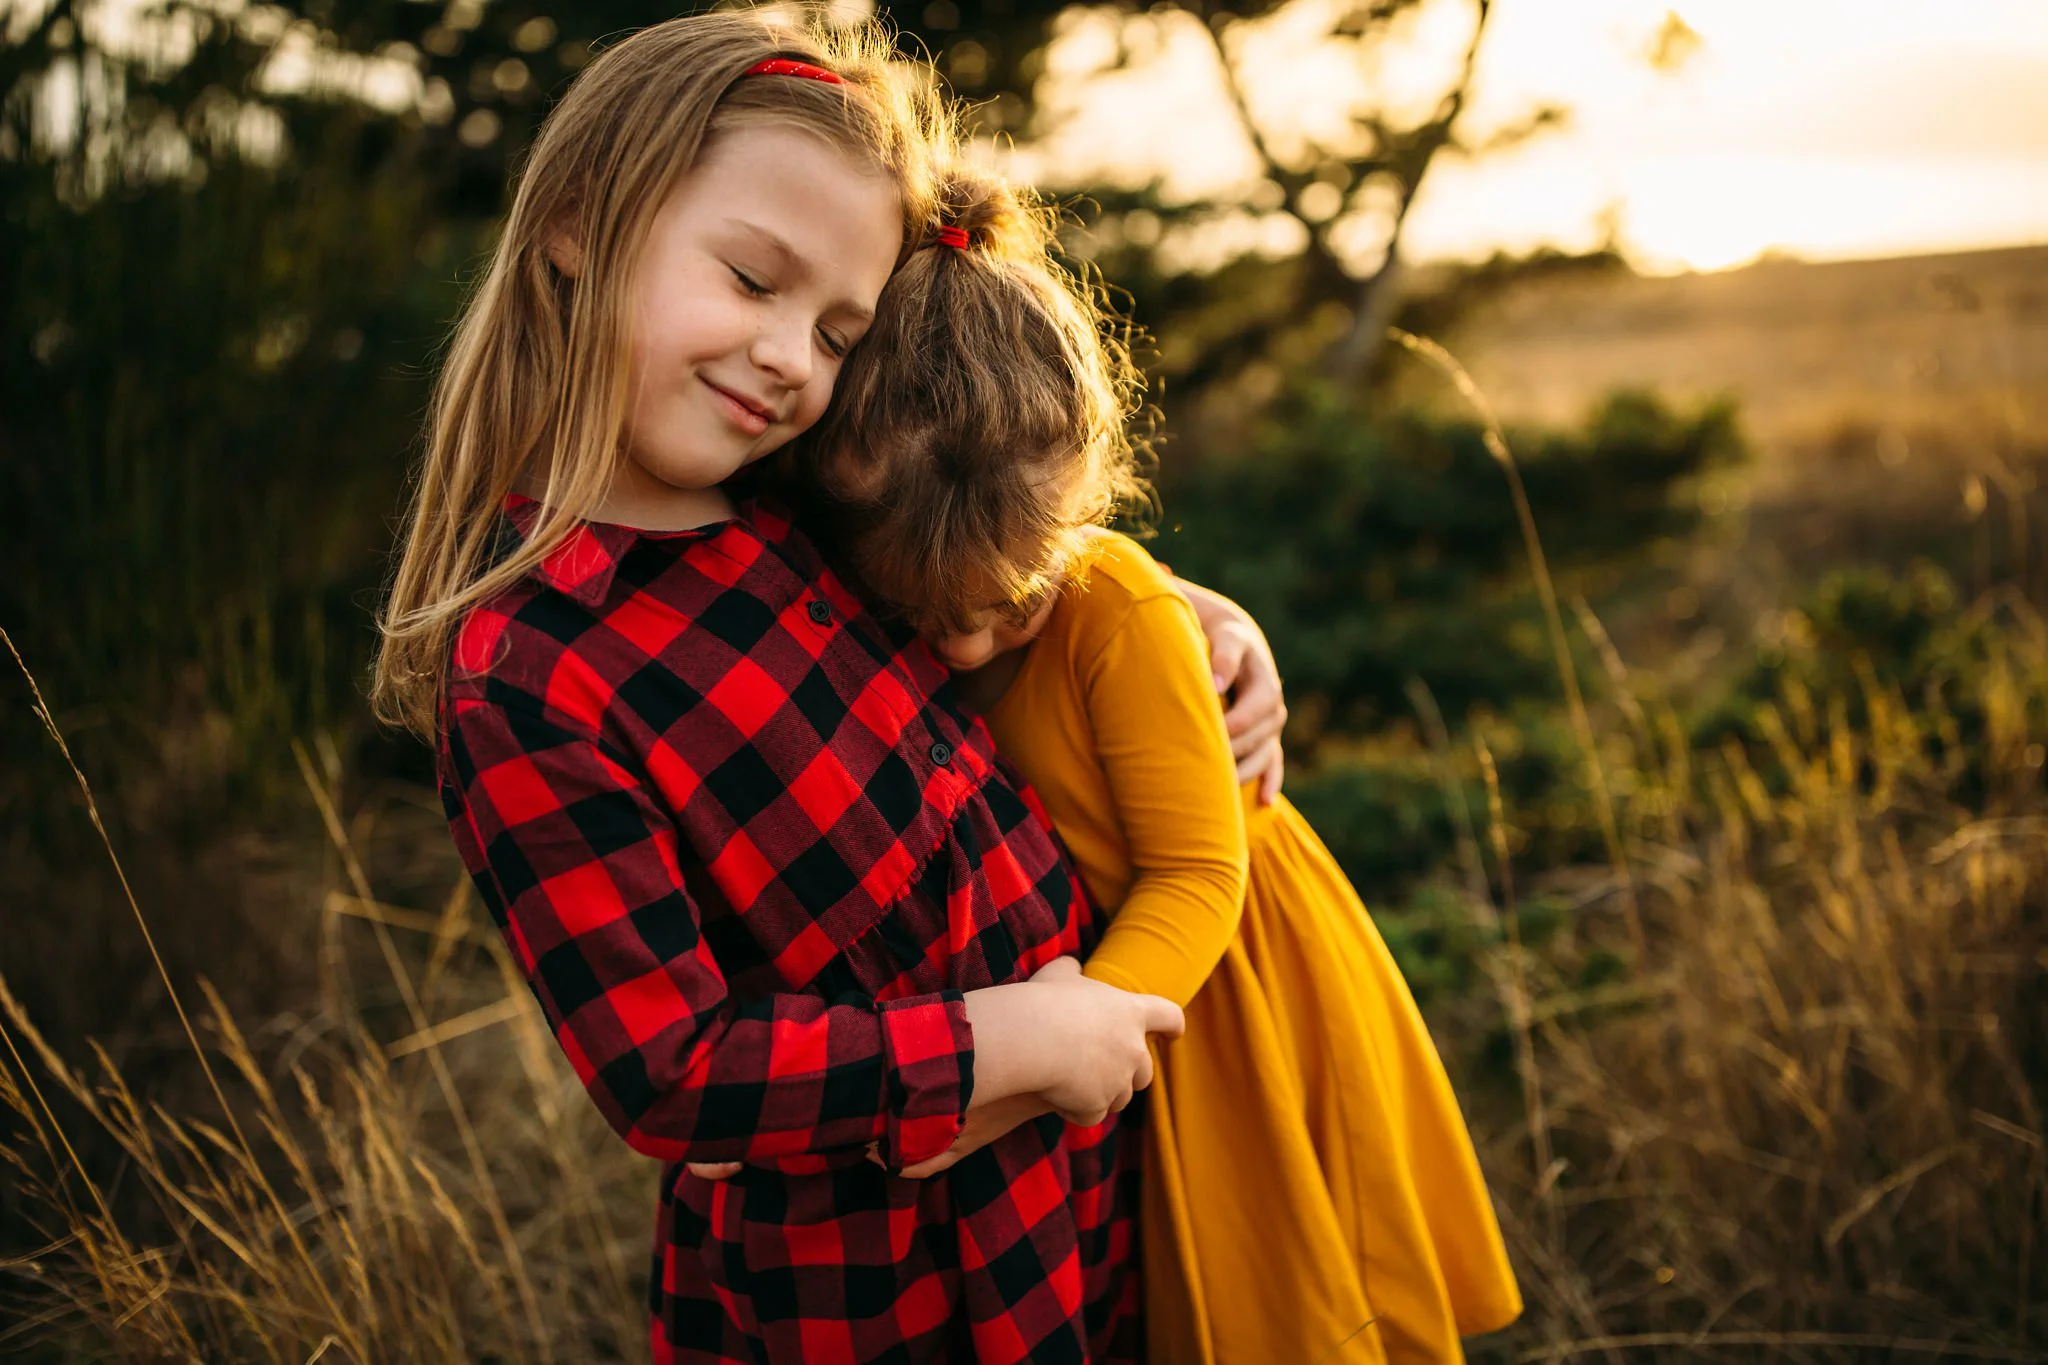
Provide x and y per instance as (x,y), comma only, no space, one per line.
(1151,701)
(580,869)
(1143,668)
(1040,1034)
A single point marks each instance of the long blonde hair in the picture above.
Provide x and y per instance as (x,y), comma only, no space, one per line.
(533,389)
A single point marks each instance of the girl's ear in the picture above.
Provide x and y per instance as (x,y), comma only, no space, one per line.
(565,253)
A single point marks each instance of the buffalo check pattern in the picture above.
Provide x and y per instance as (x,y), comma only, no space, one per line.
(750,855)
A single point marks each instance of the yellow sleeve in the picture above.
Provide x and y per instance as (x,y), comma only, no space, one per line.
(1159,736)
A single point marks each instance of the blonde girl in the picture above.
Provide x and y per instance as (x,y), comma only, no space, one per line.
(776,897)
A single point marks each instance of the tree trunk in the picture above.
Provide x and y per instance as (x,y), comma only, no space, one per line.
(1378,298)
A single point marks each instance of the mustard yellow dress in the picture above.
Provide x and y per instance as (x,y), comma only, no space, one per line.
(1311,1193)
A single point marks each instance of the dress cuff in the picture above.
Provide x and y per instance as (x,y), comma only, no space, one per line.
(1101,968)
(930,1051)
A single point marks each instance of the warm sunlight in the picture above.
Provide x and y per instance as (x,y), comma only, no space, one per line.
(1826,129)
(507,852)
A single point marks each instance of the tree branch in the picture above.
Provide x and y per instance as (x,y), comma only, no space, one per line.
(1291,182)
(1408,159)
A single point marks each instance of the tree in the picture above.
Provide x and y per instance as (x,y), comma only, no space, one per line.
(221,288)
(1363,177)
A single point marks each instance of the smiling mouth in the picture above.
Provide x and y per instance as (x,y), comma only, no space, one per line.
(749,415)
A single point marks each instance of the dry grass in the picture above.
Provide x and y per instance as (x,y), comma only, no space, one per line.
(346,1229)
(342,1199)
(1808,1124)
(1805,1125)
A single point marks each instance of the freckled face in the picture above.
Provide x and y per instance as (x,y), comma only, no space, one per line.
(761,270)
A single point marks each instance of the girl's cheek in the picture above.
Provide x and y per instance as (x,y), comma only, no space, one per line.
(813,405)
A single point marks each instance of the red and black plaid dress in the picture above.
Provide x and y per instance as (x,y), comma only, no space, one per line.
(750,853)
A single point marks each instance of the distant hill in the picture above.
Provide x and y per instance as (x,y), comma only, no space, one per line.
(1926,350)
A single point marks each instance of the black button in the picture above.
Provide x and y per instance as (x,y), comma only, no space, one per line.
(821,612)
(942,753)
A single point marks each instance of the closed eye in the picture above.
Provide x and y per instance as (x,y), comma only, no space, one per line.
(749,284)
(837,346)
(1017,615)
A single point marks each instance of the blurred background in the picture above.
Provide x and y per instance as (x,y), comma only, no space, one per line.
(1626,422)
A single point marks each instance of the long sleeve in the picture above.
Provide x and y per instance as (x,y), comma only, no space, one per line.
(579,863)
(1160,739)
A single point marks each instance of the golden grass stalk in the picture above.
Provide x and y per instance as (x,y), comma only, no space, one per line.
(1539,565)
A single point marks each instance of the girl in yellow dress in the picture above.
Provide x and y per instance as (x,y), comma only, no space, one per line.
(1311,1193)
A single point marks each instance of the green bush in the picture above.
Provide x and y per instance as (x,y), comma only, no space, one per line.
(1379,550)
(1870,638)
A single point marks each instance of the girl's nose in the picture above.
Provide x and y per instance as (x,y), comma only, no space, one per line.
(965,653)
(784,351)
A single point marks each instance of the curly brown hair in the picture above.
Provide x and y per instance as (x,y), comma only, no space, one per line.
(984,422)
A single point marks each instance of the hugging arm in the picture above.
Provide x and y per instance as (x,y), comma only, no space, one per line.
(580,867)
(581,871)
(1056,1044)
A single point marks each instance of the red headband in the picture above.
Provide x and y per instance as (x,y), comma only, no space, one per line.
(955,237)
(783,66)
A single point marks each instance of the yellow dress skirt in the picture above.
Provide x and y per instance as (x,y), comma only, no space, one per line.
(1311,1193)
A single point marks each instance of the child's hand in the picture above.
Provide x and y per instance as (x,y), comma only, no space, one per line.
(714,1170)
(1246,673)
(1058,1042)
(1086,1042)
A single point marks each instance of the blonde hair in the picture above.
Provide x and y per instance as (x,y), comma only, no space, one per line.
(533,389)
(983,424)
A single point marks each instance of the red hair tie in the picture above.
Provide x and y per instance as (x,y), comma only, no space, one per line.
(955,237)
(783,66)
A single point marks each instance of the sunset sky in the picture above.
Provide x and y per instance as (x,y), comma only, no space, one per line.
(1821,128)
(1818,128)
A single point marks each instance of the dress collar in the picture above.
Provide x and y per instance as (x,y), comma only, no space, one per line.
(583,566)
